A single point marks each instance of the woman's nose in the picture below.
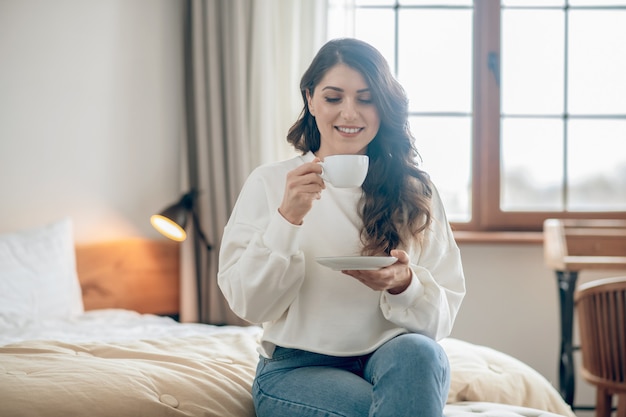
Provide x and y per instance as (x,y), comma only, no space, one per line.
(349,112)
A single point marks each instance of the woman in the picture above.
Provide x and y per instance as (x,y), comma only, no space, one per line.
(357,342)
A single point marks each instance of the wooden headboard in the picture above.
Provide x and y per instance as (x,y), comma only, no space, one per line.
(135,274)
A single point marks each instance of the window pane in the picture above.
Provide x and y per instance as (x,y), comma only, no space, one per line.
(383,37)
(436,2)
(445,146)
(532,165)
(597,165)
(597,3)
(534,3)
(436,65)
(374,2)
(532,61)
(597,62)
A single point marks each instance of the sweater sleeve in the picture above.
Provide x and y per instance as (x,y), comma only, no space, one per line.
(431,302)
(260,265)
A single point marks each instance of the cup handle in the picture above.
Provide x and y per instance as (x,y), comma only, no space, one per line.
(323,172)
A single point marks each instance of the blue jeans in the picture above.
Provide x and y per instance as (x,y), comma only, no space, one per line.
(407,376)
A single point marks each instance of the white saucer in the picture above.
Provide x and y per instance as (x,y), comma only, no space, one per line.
(344,263)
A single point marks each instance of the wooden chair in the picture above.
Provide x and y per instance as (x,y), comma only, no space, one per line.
(601,308)
(570,247)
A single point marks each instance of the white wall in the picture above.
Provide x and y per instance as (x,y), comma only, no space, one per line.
(91,113)
(90,126)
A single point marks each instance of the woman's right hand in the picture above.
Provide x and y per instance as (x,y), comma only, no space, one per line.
(303,186)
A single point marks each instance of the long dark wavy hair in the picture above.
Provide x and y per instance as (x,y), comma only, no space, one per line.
(396,201)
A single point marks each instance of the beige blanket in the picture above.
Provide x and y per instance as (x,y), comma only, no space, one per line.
(208,375)
(193,376)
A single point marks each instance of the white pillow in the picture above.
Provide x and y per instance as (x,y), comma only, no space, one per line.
(38,278)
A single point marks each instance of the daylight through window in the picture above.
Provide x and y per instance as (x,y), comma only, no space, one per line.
(518,106)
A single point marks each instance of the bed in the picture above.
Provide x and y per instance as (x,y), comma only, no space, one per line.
(91,330)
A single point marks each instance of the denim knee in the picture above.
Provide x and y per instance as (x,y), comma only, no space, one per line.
(414,357)
(410,377)
(417,347)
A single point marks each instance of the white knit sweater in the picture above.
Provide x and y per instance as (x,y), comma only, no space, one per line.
(268,273)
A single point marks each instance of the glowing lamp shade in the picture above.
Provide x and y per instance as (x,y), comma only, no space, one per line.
(168,227)
(172,221)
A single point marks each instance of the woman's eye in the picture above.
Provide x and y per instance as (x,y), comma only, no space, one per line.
(332,99)
(366,100)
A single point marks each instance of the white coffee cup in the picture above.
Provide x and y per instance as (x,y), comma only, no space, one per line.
(345,171)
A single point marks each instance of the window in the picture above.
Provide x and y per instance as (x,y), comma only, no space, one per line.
(518,106)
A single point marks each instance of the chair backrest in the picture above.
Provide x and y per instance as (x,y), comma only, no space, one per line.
(601,308)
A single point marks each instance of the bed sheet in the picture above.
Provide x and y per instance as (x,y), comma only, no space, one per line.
(109,325)
(489,409)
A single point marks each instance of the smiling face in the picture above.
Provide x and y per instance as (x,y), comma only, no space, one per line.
(344,112)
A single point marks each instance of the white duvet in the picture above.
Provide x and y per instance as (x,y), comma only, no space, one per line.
(109,325)
(120,363)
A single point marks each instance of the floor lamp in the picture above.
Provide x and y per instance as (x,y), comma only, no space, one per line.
(172,222)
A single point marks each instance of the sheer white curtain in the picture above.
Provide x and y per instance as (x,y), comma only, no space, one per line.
(340,18)
(286,35)
(244,60)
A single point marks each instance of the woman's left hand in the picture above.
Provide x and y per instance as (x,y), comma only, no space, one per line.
(393,279)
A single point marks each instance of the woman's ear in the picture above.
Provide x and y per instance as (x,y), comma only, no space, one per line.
(309,101)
